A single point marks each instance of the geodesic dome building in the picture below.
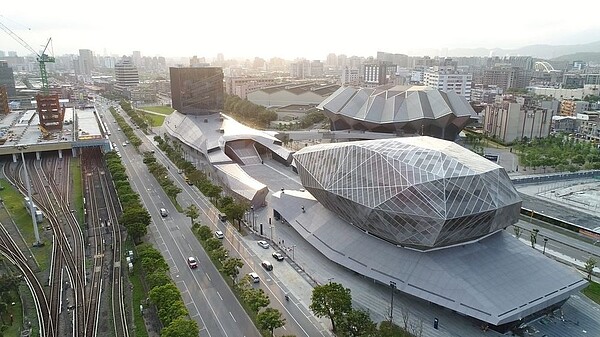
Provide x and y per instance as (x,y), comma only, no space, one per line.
(421,192)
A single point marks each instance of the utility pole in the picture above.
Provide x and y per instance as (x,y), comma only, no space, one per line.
(37,242)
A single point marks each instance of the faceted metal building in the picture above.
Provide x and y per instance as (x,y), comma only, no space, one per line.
(403,110)
(420,192)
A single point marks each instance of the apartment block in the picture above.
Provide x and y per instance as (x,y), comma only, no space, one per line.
(511,119)
(242,86)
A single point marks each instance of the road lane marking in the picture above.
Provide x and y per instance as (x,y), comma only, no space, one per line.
(232,317)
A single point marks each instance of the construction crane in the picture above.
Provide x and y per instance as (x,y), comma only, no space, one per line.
(42,58)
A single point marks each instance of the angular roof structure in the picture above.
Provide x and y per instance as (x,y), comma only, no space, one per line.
(368,204)
(399,109)
(421,192)
(496,279)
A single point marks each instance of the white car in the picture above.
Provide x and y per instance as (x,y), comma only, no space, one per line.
(219,235)
(254,277)
(192,262)
(164,212)
(263,244)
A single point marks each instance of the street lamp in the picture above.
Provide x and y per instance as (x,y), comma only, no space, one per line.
(330,279)
(545,241)
(271,228)
(292,248)
(393,286)
(37,243)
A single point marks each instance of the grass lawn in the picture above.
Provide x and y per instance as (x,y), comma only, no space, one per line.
(161,109)
(155,119)
(16,311)
(593,292)
(77,190)
(13,200)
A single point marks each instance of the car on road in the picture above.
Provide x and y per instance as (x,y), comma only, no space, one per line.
(192,262)
(263,244)
(222,217)
(164,212)
(267,265)
(254,277)
(219,235)
(277,256)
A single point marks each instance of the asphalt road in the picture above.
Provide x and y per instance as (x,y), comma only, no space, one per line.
(206,293)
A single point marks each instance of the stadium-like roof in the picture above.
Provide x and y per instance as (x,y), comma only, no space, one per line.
(497,279)
(422,192)
(399,109)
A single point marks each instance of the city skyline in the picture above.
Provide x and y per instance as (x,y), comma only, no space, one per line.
(241,29)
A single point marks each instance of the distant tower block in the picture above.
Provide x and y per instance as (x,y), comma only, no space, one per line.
(50,112)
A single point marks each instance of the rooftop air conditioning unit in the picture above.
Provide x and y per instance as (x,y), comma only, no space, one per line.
(205,120)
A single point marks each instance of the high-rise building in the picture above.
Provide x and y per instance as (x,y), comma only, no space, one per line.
(137,59)
(197,91)
(512,119)
(332,60)
(86,62)
(446,78)
(126,75)
(350,76)
(7,78)
(378,73)
(506,77)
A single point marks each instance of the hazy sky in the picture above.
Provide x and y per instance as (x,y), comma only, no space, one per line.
(290,29)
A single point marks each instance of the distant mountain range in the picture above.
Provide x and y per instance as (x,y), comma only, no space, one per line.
(543,51)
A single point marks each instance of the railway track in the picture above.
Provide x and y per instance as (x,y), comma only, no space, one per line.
(11,252)
(83,295)
(68,259)
(107,241)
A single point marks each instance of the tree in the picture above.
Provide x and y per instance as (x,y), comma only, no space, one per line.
(590,264)
(517,231)
(357,323)
(270,319)
(137,230)
(192,212)
(181,327)
(168,314)
(212,244)
(135,215)
(219,254)
(158,278)
(204,232)
(256,298)
(231,267)
(164,296)
(331,300)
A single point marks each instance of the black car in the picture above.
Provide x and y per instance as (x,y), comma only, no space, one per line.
(277,256)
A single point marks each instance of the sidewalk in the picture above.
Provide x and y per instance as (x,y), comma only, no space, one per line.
(565,259)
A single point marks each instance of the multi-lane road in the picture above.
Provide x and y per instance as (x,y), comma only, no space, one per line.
(209,299)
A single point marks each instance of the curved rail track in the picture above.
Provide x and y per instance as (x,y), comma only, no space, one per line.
(51,182)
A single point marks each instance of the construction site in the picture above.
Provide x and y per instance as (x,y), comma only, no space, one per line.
(53,124)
